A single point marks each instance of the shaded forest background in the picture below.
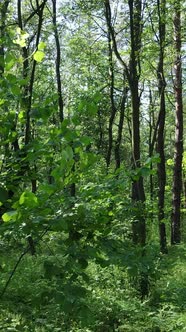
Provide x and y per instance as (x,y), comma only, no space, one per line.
(92,164)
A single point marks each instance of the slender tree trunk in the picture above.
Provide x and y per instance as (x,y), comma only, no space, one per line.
(58,63)
(27,97)
(101,136)
(133,74)
(112,102)
(32,77)
(138,193)
(152,139)
(151,123)
(178,154)
(3,14)
(120,128)
(160,134)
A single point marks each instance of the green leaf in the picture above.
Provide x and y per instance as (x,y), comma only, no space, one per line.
(38,56)
(41,46)
(2,101)
(69,152)
(10,215)
(82,105)
(10,61)
(11,78)
(85,140)
(21,115)
(110,213)
(28,199)
(170,162)
(22,36)
(92,109)
(20,42)
(145,171)
(16,90)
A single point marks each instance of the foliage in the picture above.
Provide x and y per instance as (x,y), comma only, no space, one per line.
(68,258)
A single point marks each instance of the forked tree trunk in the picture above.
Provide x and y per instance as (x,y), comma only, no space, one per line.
(178,154)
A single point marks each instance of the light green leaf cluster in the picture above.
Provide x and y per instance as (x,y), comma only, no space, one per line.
(10,215)
(21,37)
(39,54)
(28,199)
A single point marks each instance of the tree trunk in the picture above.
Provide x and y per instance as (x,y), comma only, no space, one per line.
(120,128)
(161,126)
(27,99)
(58,63)
(3,13)
(138,193)
(178,154)
(112,103)
(133,75)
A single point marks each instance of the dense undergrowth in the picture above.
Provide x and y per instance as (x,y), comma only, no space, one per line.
(103,297)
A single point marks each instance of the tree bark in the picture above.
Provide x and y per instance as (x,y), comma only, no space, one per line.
(133,75)
(112,102)
(120,128)
(58,63)
(3,13)
(138,193)
(178,154)
(27,98)
(161,125)
(32,77)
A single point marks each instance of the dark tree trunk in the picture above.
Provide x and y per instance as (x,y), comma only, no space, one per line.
(133,74)
(138,193)
(151,148)
(101,136)
(58,63)
(178,154)
(161,126)
(120,128)
(3,14)
(32,77)
(27,98)
(112,103)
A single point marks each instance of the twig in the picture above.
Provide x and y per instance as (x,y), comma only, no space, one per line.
(18,262)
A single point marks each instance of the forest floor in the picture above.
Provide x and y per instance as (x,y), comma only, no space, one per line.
(100,299)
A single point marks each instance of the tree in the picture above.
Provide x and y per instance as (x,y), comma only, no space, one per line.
(3,13)
(133,72)
(178,154)
(86,165)
(58,62)
(161,125)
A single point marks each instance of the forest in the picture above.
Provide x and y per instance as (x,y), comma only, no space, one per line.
(92,166)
